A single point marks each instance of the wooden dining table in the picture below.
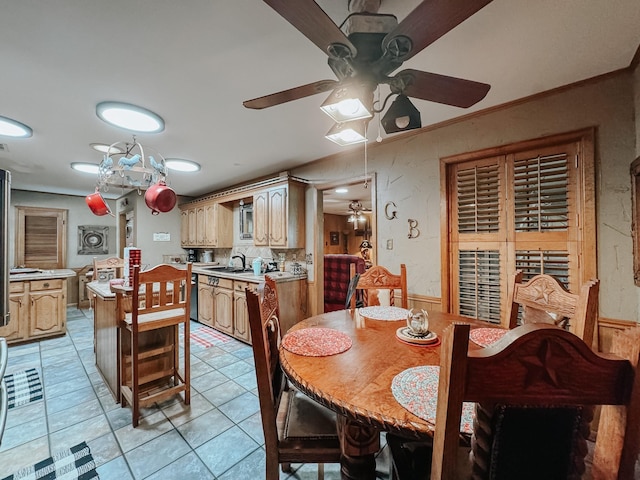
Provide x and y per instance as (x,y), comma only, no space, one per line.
(357,382)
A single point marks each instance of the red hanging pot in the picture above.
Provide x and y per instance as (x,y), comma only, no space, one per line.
(160,198)
(98,205)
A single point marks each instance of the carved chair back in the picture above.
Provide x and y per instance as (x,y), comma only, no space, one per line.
(377,279)
(534,392)
(544,299)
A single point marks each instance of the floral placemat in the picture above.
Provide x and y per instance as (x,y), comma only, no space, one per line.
(416,389)
(384,313)
(486,336)
(316,342)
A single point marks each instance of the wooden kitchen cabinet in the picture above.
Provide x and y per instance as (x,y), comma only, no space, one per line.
(278,216)
(206,224)
(223,306)
(205,300)
(18,313)
(241,329)
(38,309)
(47,307)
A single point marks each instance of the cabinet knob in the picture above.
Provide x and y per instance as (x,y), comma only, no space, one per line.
(46,285)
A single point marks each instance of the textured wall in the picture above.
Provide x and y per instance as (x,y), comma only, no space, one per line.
(408,173)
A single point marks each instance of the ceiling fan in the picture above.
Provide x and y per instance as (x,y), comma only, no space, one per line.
(374,46)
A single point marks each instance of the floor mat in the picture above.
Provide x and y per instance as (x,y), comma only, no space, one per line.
(23,387)
(207,337)
(69,464)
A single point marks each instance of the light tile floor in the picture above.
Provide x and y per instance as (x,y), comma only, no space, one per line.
(218,437)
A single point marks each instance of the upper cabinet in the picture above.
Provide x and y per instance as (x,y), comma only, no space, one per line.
(278,216)
(206,224)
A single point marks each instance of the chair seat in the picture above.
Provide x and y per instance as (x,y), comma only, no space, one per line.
(173,315)
(300,417)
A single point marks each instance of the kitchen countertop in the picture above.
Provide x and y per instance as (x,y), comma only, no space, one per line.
(42,275)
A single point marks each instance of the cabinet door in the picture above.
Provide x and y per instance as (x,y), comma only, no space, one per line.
(200,225)
(210,236)
(241,329)
(193,237)
(261,219)
(223,304)
(278,217)
(47,312)
(184,228)
(17,327)
(205,304)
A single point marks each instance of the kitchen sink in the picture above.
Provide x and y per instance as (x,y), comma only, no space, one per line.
(228,269)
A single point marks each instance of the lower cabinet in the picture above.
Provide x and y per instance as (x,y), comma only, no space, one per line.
(241,329)
(38,309)
(205,300)
(223,305)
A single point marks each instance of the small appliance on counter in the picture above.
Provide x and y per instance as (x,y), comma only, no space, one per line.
(191,256)
(206,256)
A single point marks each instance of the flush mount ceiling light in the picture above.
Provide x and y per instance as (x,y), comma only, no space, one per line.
(13,128)
(347,133)
(84,167)
(401,116)
(345,104)
(130,117)
(104,148)
(182,165)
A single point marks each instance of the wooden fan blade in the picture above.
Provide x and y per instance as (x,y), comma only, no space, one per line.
(441,88)
(291,94)
(313,23)
(430,20)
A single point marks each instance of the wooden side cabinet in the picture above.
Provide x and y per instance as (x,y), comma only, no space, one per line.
(38,309)
(206,224)
(241,329)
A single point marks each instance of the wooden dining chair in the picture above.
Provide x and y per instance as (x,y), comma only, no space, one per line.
(377,279)
(544,299)
(535,392)
(296,428)
(112,263)
(150,319)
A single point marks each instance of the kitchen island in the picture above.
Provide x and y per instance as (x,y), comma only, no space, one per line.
(38,304)
(221,298)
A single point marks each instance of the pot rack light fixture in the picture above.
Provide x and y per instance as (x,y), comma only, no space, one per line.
(127,166)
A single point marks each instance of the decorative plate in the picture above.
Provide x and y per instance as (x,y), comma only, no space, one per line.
(416,389)
(404,334)
(384,313)
(486,336)
(316,342)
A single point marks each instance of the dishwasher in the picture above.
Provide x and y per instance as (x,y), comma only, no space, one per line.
(194,297)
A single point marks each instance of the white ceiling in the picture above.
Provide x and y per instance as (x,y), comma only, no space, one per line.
(194,62)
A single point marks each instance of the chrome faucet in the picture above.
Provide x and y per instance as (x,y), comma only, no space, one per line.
(243,258)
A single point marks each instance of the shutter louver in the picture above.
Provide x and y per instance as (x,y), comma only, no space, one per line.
(540,189)
(479,284)
(554,263)
(478,199)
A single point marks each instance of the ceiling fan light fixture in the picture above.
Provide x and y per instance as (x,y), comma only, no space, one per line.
(345,104)
(130,117)
(347,133)
(401,116)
